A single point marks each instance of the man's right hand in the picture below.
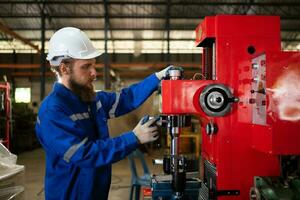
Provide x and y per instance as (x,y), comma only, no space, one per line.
(146,132)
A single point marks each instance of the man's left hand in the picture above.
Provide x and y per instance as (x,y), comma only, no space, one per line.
(161,74)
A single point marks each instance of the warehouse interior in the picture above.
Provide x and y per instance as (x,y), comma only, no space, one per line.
(138,38)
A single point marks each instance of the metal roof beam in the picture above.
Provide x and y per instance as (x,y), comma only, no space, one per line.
(96,16)
(145,39)
(185,28)
(155,65)
(116,39)
(168,3)
(205,3)
(15,35)
(123,75)
(43,54)
(106,69)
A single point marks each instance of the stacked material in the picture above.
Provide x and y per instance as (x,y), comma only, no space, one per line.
(11,176)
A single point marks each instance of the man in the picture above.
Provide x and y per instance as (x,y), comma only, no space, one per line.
(72,121)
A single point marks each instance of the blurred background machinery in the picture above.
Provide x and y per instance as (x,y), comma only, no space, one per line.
(5,114)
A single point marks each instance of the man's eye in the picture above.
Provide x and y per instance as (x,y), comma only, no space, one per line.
(85,67)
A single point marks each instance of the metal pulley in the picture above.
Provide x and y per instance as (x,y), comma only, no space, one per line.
(216,100)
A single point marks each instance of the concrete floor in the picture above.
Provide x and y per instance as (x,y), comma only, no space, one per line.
(34,162)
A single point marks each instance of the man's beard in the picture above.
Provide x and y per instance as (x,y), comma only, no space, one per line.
(85,93)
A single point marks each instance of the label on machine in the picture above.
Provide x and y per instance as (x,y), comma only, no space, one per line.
(258,90)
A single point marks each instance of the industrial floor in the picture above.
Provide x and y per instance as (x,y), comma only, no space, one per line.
(34,162)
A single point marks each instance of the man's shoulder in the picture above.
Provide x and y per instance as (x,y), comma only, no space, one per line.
(52,102)
(103,95)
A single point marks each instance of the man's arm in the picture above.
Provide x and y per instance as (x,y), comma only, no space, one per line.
(128,99)
(61,136)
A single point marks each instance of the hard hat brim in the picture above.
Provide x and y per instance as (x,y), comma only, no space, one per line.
(95,54)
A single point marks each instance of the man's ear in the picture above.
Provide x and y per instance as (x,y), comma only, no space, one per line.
(64,69)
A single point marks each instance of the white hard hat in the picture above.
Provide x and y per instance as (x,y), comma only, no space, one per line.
(70,42)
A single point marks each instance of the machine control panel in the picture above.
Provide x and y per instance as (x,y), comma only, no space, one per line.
(258,90)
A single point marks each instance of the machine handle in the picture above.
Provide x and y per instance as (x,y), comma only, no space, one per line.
(146,118)
(233,99)
(157,161)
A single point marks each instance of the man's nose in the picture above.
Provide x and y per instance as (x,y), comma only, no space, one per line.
(93,72)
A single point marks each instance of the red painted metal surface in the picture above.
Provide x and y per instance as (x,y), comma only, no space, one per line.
(7,112)
(281,133)
(241,149)
(182,96)
(205,30)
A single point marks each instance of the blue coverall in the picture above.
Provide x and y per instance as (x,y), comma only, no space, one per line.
(74,134)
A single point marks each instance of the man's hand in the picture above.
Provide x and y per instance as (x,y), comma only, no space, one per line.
(161,74)
(146,132)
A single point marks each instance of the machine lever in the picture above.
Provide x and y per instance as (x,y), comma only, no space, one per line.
(233,99)
(261,91)
(146,118)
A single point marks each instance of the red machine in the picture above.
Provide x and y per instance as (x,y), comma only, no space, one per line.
(248,103)
(5,113)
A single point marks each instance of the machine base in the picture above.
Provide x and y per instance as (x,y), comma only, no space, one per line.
(161,186)
(275,188)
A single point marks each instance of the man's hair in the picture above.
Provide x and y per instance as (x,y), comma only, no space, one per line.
(56,69)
